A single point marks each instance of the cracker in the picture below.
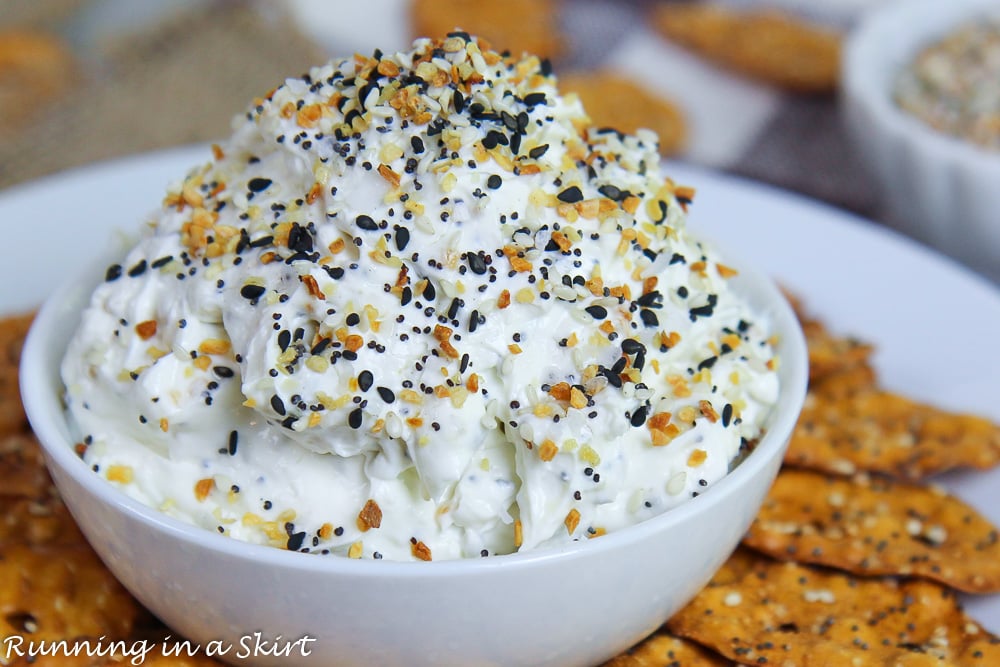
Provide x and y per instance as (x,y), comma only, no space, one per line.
(35,69)
(13,329)
(37,521)
(665,650)
(769,46)
(762,611)
(830,354)
(879,431)
(518,26)
(615,101)
(55,592)
(22,467)
(873,526)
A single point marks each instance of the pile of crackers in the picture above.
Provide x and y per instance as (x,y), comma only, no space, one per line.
(855,557)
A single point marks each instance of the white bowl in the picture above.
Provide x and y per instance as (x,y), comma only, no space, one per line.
(575,605)
(940,189)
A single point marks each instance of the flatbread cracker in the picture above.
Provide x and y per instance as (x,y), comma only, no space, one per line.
(13,329)
(37,521)
(518,26)
(762,611)
(830,354)
(55,592)
(872,526)
(22,467)
(665,650)
(614,101)
(879,431)
(766,45)
(35,69)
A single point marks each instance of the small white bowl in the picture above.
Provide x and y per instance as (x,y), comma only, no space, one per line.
(940,189)
(575,605)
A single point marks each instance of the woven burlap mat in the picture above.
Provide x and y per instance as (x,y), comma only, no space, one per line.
(178,82)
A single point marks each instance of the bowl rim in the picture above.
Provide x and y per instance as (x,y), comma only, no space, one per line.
(45,411)
(878,48)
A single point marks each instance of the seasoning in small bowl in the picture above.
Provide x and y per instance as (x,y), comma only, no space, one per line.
(953,85)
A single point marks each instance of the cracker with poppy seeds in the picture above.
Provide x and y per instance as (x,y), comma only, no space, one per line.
(612,100)
(666,650)
(761,611)
(770,46)
(13,329)
(517,26)
(882,432)
(59,591)
(36,521)
(22,466)
(831,354)
(871,525)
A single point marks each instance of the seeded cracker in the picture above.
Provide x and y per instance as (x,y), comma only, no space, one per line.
(519,26)
(830,354)
(768,46)
(666,650)
(869,525)
(882,432)
(36,521)
(615,101)
(12,332)
(61,591)
(22,465)
(760,611)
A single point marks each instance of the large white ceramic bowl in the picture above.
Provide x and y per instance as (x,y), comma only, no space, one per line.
(942,190)
(574,605)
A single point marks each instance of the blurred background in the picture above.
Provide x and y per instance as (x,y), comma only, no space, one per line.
(748,87)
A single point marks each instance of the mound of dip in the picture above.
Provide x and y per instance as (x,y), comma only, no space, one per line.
(417,307)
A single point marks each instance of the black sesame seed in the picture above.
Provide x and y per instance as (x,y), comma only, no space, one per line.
(494,182)
(570,195)
(277,404)
(365,380)
(611,192)
(649,318)
(476,263)
(138,269)
(252,292)
(354,418)
(727,414)
(223,371)
(639,416)
(632,346)
(597,312)
(258,184)
(386,394)
(402,238)
(295,541)
(114,272)
(233,438)
(353,319)
(365,222)
(538,151)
